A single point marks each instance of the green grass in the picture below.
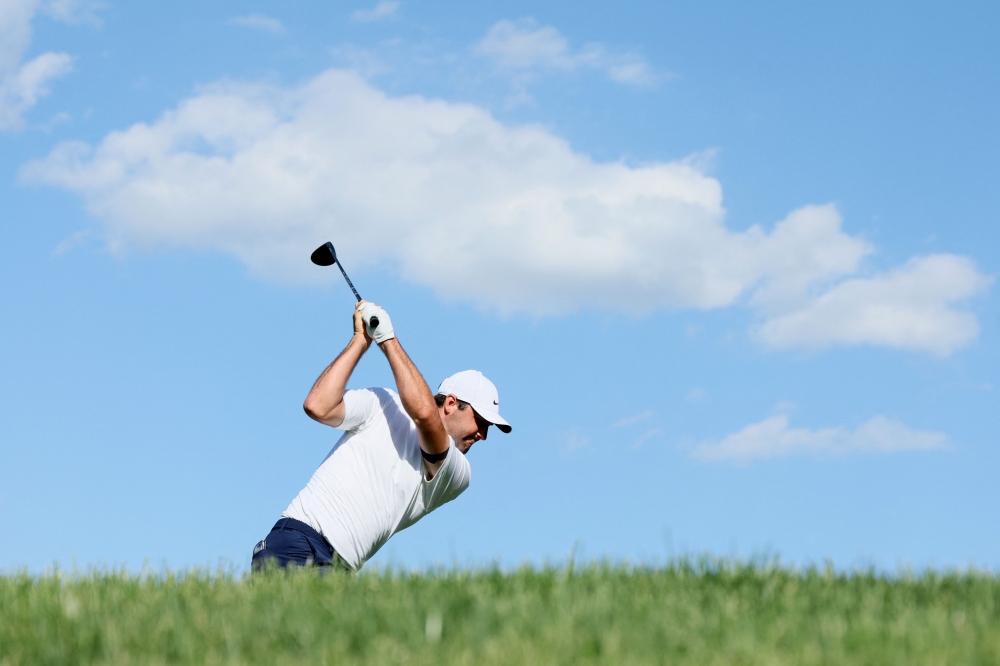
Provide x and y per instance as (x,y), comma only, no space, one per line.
(686,613)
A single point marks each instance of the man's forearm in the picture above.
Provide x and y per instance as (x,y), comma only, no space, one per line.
(416,397)
(325,401)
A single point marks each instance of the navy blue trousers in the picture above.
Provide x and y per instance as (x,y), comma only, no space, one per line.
(292,542)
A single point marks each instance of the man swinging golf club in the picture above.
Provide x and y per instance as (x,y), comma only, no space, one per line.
(402,454)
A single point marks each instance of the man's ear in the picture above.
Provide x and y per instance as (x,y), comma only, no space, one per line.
(450,404)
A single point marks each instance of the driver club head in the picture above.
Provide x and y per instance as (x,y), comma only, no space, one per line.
(324,255)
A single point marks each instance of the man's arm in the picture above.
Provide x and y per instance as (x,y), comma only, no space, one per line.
(417,401)
(325,402)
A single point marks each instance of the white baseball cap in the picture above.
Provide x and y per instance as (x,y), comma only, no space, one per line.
(472,387)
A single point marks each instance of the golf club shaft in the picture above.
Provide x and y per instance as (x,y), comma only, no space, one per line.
(349,283)
(374,320)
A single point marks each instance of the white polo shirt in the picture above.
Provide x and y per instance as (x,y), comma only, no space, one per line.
(373,482)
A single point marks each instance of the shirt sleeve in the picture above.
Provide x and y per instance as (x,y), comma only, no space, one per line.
(450,481)
(361,408)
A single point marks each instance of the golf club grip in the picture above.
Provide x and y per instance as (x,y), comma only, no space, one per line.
(373,322)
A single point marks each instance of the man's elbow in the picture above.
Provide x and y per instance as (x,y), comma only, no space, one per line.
(324,413)
(426,417)
(314,410)
(431,429)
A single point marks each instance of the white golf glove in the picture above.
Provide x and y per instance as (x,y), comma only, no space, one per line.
(383,331)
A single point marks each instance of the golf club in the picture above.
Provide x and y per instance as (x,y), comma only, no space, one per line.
(325,255)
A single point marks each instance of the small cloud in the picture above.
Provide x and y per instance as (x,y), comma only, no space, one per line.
(75,240)
(636,73)
(696,395)
(383,10)
(525,46)
(259,22)
(772,438)
(364,61)
(646,436)
(785,407)
(917,306)
(21,90)
(574,441)
(76,11)
(632,420)
(522,45)
(519,96)
(57,119)
(23,84)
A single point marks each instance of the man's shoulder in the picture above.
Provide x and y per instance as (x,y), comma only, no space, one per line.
(389,403)
(383,395)
(363,406)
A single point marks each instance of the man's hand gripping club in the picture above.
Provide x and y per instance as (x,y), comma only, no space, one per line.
(383,331)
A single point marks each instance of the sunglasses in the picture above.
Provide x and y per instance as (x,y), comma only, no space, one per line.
(480,421)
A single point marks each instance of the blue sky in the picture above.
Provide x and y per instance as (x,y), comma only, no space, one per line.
(732,270)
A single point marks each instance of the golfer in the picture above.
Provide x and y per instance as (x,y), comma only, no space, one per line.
(402,454)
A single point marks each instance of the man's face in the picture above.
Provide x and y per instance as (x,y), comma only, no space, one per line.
(464,425)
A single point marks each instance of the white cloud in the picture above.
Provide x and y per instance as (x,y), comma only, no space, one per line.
(911,307)
(636,73)
(510,219)
(20,90)
(632,420)
(521,222)
(645,437)
(22,84)
(75,11)
(74,240)
(525,45)
(573,441)
(696,395)
(382,10)
(259,22)
(15,31)
(522,46)
(772,438)
(366,62)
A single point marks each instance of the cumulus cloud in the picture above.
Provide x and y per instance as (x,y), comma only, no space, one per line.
(22,84)
(911,307)
(259,22)
(383,10)
(525,45)
(510,219)
(772,438)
